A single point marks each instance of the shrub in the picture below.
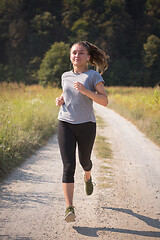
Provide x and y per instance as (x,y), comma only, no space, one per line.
(55,62)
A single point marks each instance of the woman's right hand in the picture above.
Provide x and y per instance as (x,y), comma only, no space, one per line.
(59,101)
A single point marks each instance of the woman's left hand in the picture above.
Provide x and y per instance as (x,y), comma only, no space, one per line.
(80,87)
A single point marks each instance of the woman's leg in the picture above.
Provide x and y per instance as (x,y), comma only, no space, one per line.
(85,145)
(68,189)
(67,145)
(87,175)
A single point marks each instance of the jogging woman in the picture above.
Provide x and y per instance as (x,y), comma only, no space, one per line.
(77,123)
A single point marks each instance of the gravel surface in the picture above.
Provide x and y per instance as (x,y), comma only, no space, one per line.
(125,204)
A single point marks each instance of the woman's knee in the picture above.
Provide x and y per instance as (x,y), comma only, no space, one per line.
(86,164)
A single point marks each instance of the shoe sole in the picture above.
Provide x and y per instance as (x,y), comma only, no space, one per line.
(70,217)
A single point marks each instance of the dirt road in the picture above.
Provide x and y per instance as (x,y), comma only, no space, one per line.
(128,207)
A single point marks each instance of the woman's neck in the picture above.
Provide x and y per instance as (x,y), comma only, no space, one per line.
(80,69)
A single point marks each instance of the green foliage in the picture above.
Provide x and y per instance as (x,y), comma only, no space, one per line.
(32,70)
(44,30)
(71,12)
(119,73)
(151,51)
(153,7)
(80,29)
(151,58)
(9,74)
(55,62)
(43,22)
(121,28)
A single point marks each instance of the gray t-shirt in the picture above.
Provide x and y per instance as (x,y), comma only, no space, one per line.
(77,107)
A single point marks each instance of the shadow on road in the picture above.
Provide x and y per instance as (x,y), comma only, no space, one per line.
(149,221)
(93,232)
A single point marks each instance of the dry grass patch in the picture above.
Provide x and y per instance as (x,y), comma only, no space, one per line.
(139,105)
(103,148)
(104,154)
(28,117)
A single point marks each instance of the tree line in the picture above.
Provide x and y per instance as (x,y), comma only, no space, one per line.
(35,37)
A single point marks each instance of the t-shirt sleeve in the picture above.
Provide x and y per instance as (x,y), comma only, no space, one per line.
(62,80)
(97,78)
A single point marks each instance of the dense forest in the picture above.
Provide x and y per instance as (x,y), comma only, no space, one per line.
(33,30)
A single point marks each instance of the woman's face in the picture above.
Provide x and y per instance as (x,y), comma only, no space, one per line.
(79,55)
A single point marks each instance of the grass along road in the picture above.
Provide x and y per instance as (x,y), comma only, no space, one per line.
(28,117)
(139,105)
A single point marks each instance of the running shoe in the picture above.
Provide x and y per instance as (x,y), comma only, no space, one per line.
(70,214)
(89,186)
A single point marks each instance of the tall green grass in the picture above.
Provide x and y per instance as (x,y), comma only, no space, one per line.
(139,105)
(28,117)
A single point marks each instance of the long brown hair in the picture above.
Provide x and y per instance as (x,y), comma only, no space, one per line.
(98,57)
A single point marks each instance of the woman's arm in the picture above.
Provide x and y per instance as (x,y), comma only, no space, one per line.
(60,100)
(99,97)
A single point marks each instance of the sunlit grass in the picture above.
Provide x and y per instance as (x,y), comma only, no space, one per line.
(28,117)
(139,105)
(104,154)
(100,122)
(103,148)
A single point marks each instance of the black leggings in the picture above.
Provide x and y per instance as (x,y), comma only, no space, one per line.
(68,135)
